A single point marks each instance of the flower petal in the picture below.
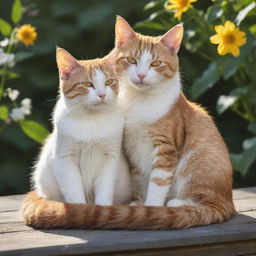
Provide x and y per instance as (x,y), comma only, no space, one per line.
(229,25)
(240,41)
(222,49)
(178,15)
(215,39)
(235,51)
(219,29)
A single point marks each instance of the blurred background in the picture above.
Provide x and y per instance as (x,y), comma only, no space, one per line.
(86,29)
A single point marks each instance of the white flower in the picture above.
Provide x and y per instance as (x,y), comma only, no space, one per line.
(26,105)
(17,114)
(4,42)
(26,102)
(12,94)
(20,113)
(6,58)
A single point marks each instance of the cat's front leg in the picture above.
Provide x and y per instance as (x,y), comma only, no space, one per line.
(68,177)
(161,178)
(105,182)
(66,169)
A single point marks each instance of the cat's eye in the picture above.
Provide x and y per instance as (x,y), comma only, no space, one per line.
(109,82)
(131,60)
(156,63)
(88,84)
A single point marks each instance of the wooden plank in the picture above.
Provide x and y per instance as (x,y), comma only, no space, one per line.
(240,193)
(245,248)
(245,205)
(13,227)
(11,216)
(10,203)
(82,241)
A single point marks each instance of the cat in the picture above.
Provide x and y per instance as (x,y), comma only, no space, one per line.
(82,160)
(176,154)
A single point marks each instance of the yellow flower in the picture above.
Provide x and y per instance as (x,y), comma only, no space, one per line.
(229,38)
(27,34)
(179,6)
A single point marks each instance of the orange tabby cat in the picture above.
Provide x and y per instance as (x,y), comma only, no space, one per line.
(185,163)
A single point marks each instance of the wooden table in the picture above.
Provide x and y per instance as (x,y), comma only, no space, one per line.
(234,237)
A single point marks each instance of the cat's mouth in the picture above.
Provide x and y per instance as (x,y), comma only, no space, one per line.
(100,103)
(140,85)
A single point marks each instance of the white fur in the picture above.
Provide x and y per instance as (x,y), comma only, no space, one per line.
(144,107)
(179,202)
(156,195)
(82,160)
(181,181)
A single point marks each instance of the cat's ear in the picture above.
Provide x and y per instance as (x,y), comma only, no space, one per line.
(124,32)
(172,39)
(111,58)
(66,63)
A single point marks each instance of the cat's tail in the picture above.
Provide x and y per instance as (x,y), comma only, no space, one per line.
(42,213)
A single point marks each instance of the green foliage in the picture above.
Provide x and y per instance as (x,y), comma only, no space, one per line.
(4,112)
(5,27)
(234,77)
(16,11)
(34,130)
(208,79)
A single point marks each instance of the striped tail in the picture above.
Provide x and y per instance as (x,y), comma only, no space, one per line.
(42,213)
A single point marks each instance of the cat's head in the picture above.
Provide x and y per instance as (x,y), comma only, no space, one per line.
(147,62)
(90,83)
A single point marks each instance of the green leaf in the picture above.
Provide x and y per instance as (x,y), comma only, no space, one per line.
(4,112)
(229,65)
(16,11)
(224,102)
(210,77)
(243,161)
(243,13)
(150,24)
(213,13)
(5,27)
(34,130)
(252,128)
(10,74)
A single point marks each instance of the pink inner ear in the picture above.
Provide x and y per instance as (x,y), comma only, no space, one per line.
(172,39)
(66,63)
(65,72)
(124,32)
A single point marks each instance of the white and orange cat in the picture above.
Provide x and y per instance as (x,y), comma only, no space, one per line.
(82,160)
(176,154)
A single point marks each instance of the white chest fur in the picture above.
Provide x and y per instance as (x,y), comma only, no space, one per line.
(87,126)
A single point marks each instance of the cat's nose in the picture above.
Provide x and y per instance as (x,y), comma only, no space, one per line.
(141,76)
(102,96)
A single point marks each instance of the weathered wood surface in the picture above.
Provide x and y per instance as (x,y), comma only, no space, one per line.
(234,237)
